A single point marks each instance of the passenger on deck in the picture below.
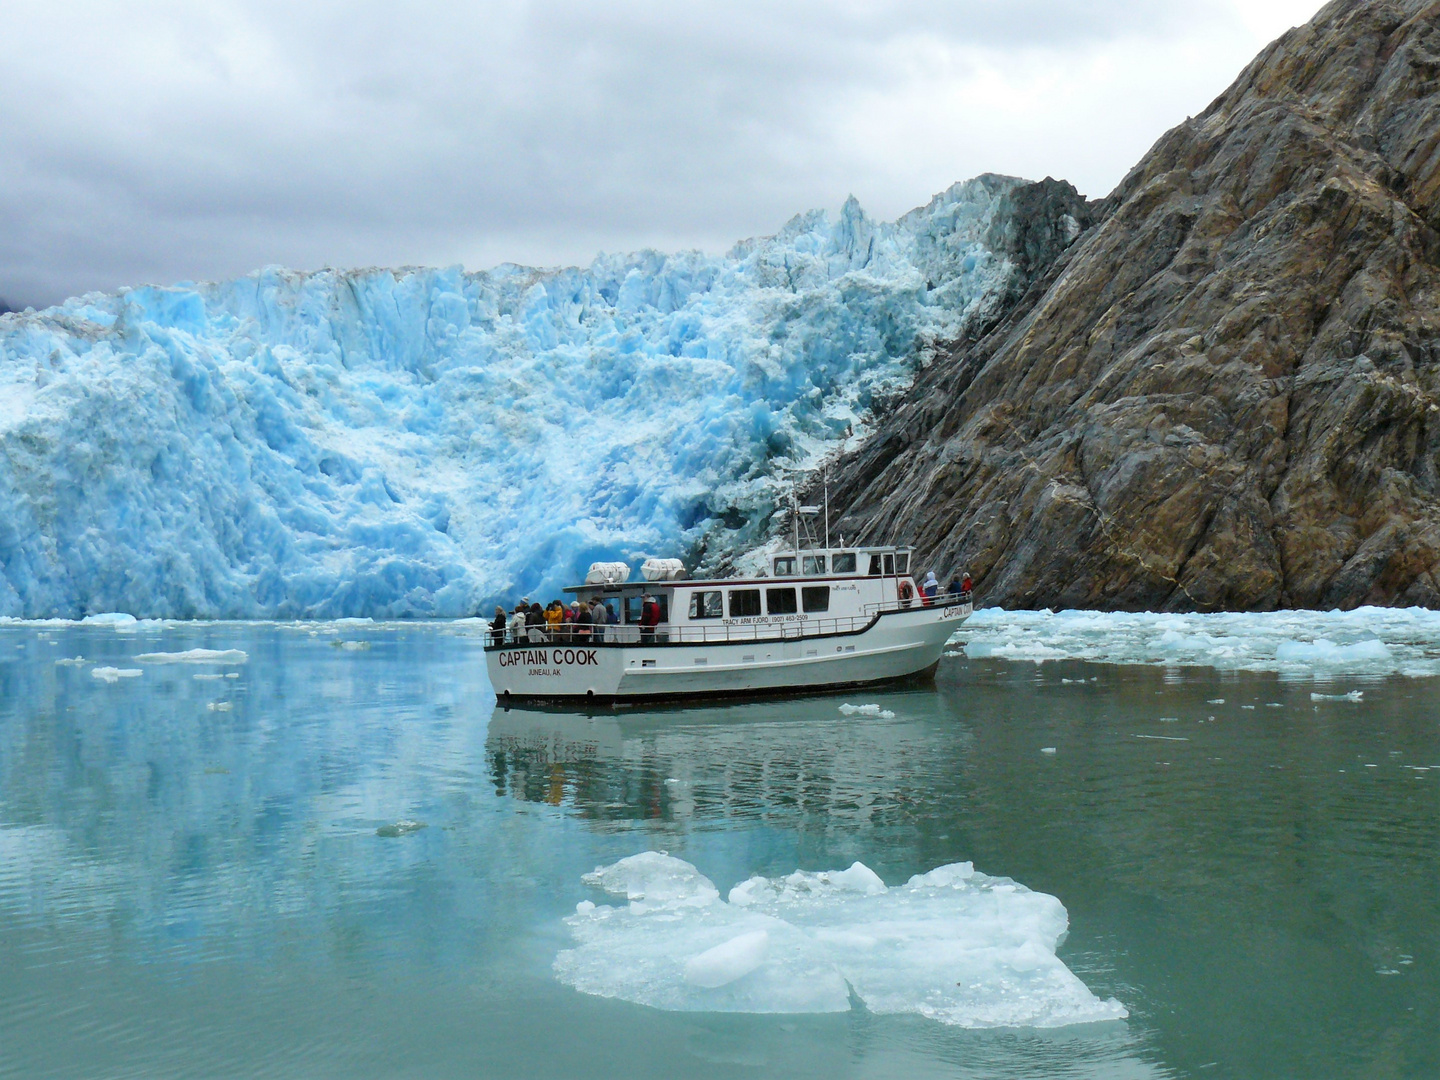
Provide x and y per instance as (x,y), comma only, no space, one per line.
(930,589)
(966,589)
(599,617)
(583,622)
(649,619)
(554,617)
(954,587)
(535,624)
(517,624)
(497,626)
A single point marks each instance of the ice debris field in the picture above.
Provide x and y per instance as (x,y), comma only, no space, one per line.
(953,945)
(1367,641)
(415,442)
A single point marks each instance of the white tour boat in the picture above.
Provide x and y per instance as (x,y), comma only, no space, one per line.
(822,619)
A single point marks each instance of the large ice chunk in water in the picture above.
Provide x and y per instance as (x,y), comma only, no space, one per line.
(955,945)
(414,442)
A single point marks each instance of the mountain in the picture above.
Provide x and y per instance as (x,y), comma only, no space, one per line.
(1225,394)
(422,442)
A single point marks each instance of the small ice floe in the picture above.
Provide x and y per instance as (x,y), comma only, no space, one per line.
(208,675)
(867,710)
(403,827)
(351,646)
(1353,695)
(1047,749)
(1251,707)
(220,706)
(1216,701)
(196,656)
(953,945)
(114,674)
(117,619)
(71,661)
(1164,738)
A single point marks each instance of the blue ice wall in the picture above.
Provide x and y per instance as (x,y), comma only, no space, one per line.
(423,441)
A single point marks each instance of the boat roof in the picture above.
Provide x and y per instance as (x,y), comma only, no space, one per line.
(616,588)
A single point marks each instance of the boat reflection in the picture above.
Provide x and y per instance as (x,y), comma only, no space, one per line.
(756,760)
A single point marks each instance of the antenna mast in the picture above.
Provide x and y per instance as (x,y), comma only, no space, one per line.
(825,483)
(795,518)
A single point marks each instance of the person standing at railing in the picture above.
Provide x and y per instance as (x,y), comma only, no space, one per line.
(497,626)
(583,622)
(954,587)
(516,626)
(966,589)
(554,617)
(930,589)
(535,624)
(649,619)
(599,618)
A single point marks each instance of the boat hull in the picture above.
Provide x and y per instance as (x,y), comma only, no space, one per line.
(894,646)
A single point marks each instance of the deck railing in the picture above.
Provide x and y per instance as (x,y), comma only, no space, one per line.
(700,633)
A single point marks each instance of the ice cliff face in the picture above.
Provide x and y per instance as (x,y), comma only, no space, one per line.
(418,442)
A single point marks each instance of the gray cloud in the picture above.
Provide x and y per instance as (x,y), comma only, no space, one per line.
(201,140)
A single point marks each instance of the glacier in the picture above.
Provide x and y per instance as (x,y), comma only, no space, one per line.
(421,442)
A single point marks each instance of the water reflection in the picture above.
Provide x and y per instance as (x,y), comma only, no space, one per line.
(191,880)
(782,762)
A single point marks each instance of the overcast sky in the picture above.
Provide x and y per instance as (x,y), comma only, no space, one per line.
(164,141)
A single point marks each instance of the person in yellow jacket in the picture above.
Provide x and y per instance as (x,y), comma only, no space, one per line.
(554,616)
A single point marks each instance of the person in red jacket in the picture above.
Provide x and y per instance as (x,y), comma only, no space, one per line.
(649,619)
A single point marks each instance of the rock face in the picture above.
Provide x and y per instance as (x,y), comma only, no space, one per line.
(1225,392)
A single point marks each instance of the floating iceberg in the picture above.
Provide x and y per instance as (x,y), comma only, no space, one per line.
(1365,641)
(953,945)
(196,656)
(867,710)
(414,442)
(114,674)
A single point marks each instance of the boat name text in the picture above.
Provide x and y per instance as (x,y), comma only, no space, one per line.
(545,657)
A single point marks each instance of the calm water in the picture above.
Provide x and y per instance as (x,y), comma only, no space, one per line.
(192,884)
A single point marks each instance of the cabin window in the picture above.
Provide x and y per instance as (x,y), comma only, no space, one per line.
(902,563)
(744,603)
(812,564)
(779,601)
(635,607)
(816,597)
(707,605)
(844,563)
(874,565)
(785,567)
(889,565)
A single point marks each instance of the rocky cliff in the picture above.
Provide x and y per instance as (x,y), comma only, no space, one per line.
(1219,388)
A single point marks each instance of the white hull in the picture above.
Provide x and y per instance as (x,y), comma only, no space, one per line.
(897,644)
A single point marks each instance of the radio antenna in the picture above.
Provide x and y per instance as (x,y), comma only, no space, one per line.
(825,483)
